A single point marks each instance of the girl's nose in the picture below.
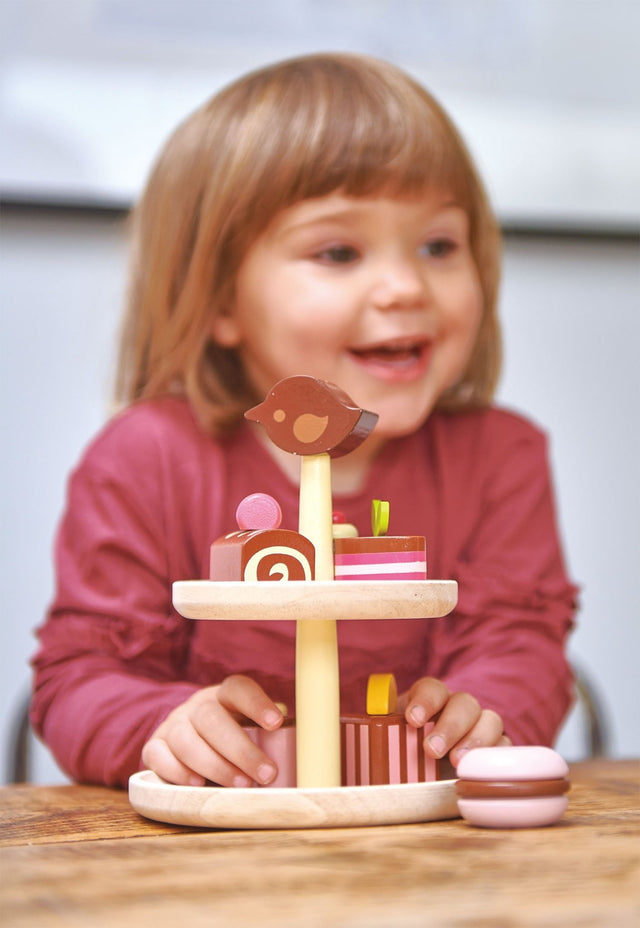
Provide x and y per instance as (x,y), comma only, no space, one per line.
(399,284)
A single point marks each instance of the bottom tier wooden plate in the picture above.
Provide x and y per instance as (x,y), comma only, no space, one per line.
(339,807)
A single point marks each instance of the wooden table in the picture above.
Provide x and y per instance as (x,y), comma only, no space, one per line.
(80,856)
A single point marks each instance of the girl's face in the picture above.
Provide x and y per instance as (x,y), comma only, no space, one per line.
(379,296)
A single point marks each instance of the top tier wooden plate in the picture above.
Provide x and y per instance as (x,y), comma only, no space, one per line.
(313,599)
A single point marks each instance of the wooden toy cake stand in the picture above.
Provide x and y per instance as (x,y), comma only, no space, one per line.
(302,807)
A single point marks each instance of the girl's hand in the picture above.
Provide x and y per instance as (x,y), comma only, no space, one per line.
(460,722)
(202,739)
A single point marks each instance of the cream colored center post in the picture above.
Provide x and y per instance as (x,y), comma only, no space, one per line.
(317,677)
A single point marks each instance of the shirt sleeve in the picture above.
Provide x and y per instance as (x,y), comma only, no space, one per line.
(505,643)
(112,650)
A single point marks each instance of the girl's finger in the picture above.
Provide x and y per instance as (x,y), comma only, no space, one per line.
(487,732)
(216,746)
(201,755)
(458,717)
(423,701)
(245,697)
(157,756)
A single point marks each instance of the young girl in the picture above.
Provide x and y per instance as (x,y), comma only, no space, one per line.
(320,216)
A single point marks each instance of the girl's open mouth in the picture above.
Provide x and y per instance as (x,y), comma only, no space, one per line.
(404,360)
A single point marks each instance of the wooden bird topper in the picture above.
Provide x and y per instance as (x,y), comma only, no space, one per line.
(306,416)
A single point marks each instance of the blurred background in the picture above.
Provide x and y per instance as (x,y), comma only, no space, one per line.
(546,93)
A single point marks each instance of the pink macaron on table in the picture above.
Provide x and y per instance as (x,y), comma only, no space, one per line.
(512,787)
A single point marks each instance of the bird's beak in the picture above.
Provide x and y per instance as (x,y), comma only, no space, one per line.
(255,414)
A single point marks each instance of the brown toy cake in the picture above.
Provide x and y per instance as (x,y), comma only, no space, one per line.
(383,749)
(261,550)
(262,554)
(380,746)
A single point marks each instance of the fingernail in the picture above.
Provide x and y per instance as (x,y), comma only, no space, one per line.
(418,715)
(241,782)
(266,773)
(271,717)
(437,745)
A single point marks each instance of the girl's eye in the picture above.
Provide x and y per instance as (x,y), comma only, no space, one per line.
(338,254)
(439,248)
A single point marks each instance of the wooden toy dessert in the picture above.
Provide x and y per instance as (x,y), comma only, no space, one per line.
(317,421)
(380,557)
(379,746)
(268,553)
(512,787)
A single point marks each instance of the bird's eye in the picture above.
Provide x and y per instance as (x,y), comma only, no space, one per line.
(279,415)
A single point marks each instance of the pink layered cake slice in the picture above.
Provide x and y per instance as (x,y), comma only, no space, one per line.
(402,557)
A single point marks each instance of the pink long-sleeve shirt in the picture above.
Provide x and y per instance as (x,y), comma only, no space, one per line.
(153,491)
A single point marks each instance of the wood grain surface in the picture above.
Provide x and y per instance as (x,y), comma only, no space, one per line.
(81,856)
(61,814)
(315,600)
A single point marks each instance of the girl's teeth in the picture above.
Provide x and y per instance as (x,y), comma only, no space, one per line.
(390,354)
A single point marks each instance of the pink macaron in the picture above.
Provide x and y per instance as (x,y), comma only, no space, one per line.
(512,787)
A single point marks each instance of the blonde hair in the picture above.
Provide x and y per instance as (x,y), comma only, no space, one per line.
(292,131)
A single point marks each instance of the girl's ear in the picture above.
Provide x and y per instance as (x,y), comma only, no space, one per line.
(225,330)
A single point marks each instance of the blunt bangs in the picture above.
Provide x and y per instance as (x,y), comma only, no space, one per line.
(339,123)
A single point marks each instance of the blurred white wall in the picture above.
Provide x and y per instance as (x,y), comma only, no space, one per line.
(546,95)
(546,92)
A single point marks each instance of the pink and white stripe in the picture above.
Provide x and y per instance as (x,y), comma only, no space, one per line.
(384,565)
(385,749)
